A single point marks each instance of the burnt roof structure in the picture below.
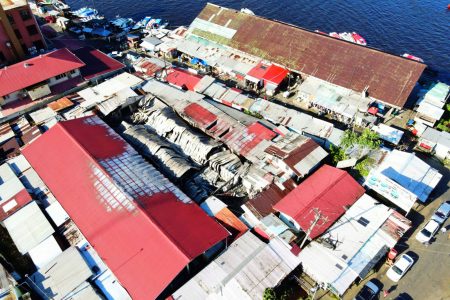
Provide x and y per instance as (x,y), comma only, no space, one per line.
(388,78)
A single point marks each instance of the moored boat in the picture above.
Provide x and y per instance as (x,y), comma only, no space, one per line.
(346,36)
(335,35)
(359,39)
(85,12)
(142,23)
(409,56)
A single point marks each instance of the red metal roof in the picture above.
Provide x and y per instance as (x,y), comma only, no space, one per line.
(203,117)
(258,71)
(183,79)
(96,62)
(22,198)
(330,190)
(275,74)
(34,70)
(242,141)
(144,228)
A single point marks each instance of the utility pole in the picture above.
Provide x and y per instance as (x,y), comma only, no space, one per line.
(317,218)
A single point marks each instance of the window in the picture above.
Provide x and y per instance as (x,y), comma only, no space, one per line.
(11,19)
(32,30)
(39,44)
(363,221)
(25,14)
(6,97)
(73,71)
(60,76)
(2,56)
(17,32)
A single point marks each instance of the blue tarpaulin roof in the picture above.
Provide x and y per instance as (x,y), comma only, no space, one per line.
(101,32)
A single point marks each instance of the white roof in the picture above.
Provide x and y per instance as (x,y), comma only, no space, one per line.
(10,185)
(63,275)
(42,115)
(390,190)
(243,271)
(439,137)
(19,164)
(430,110)
(28,227)
(107,89)
(212,206)
(388,133)
(410,172)
(57,213)
(311,161)
(45,252)
(351,234)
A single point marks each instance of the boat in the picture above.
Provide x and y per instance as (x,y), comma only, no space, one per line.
(60,6)
(45,2)
(247,11)
(124,24)
(335,35)
(409,56)
(359,39)
(85,12)
(142,23)
(347,37)
(156,24)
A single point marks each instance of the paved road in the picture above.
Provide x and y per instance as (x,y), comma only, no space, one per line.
(429,278)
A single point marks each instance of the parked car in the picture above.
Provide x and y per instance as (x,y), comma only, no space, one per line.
(400,267)
(428,231)
(369,291)
(442,213)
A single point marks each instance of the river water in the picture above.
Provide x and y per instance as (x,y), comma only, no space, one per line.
(418,27)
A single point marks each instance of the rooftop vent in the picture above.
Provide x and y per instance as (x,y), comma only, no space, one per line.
(26,65)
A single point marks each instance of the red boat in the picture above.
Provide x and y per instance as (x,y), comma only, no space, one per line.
(409,56)
(359,39)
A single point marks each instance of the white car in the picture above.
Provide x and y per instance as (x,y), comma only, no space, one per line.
(442,213)
(427,232)
(400,267)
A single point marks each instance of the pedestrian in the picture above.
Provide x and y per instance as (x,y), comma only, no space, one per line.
(443,229)
(385,293)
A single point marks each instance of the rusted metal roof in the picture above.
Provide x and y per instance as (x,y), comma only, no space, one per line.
(60,104)
(203,117)
(389,78)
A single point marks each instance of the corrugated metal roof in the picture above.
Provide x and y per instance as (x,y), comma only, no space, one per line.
(203,117)
(438,137)
(390,78)
(242,272)
(63,275)
(183,79)
(319,191)
(28,227)
(60,104)
(96,62)
(129,208)
(243,141)
(348,249)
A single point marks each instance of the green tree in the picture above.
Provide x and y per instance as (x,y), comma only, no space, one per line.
(269,294)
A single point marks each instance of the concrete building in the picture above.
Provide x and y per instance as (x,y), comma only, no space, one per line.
(435,141)
(20,35)
(40,76)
